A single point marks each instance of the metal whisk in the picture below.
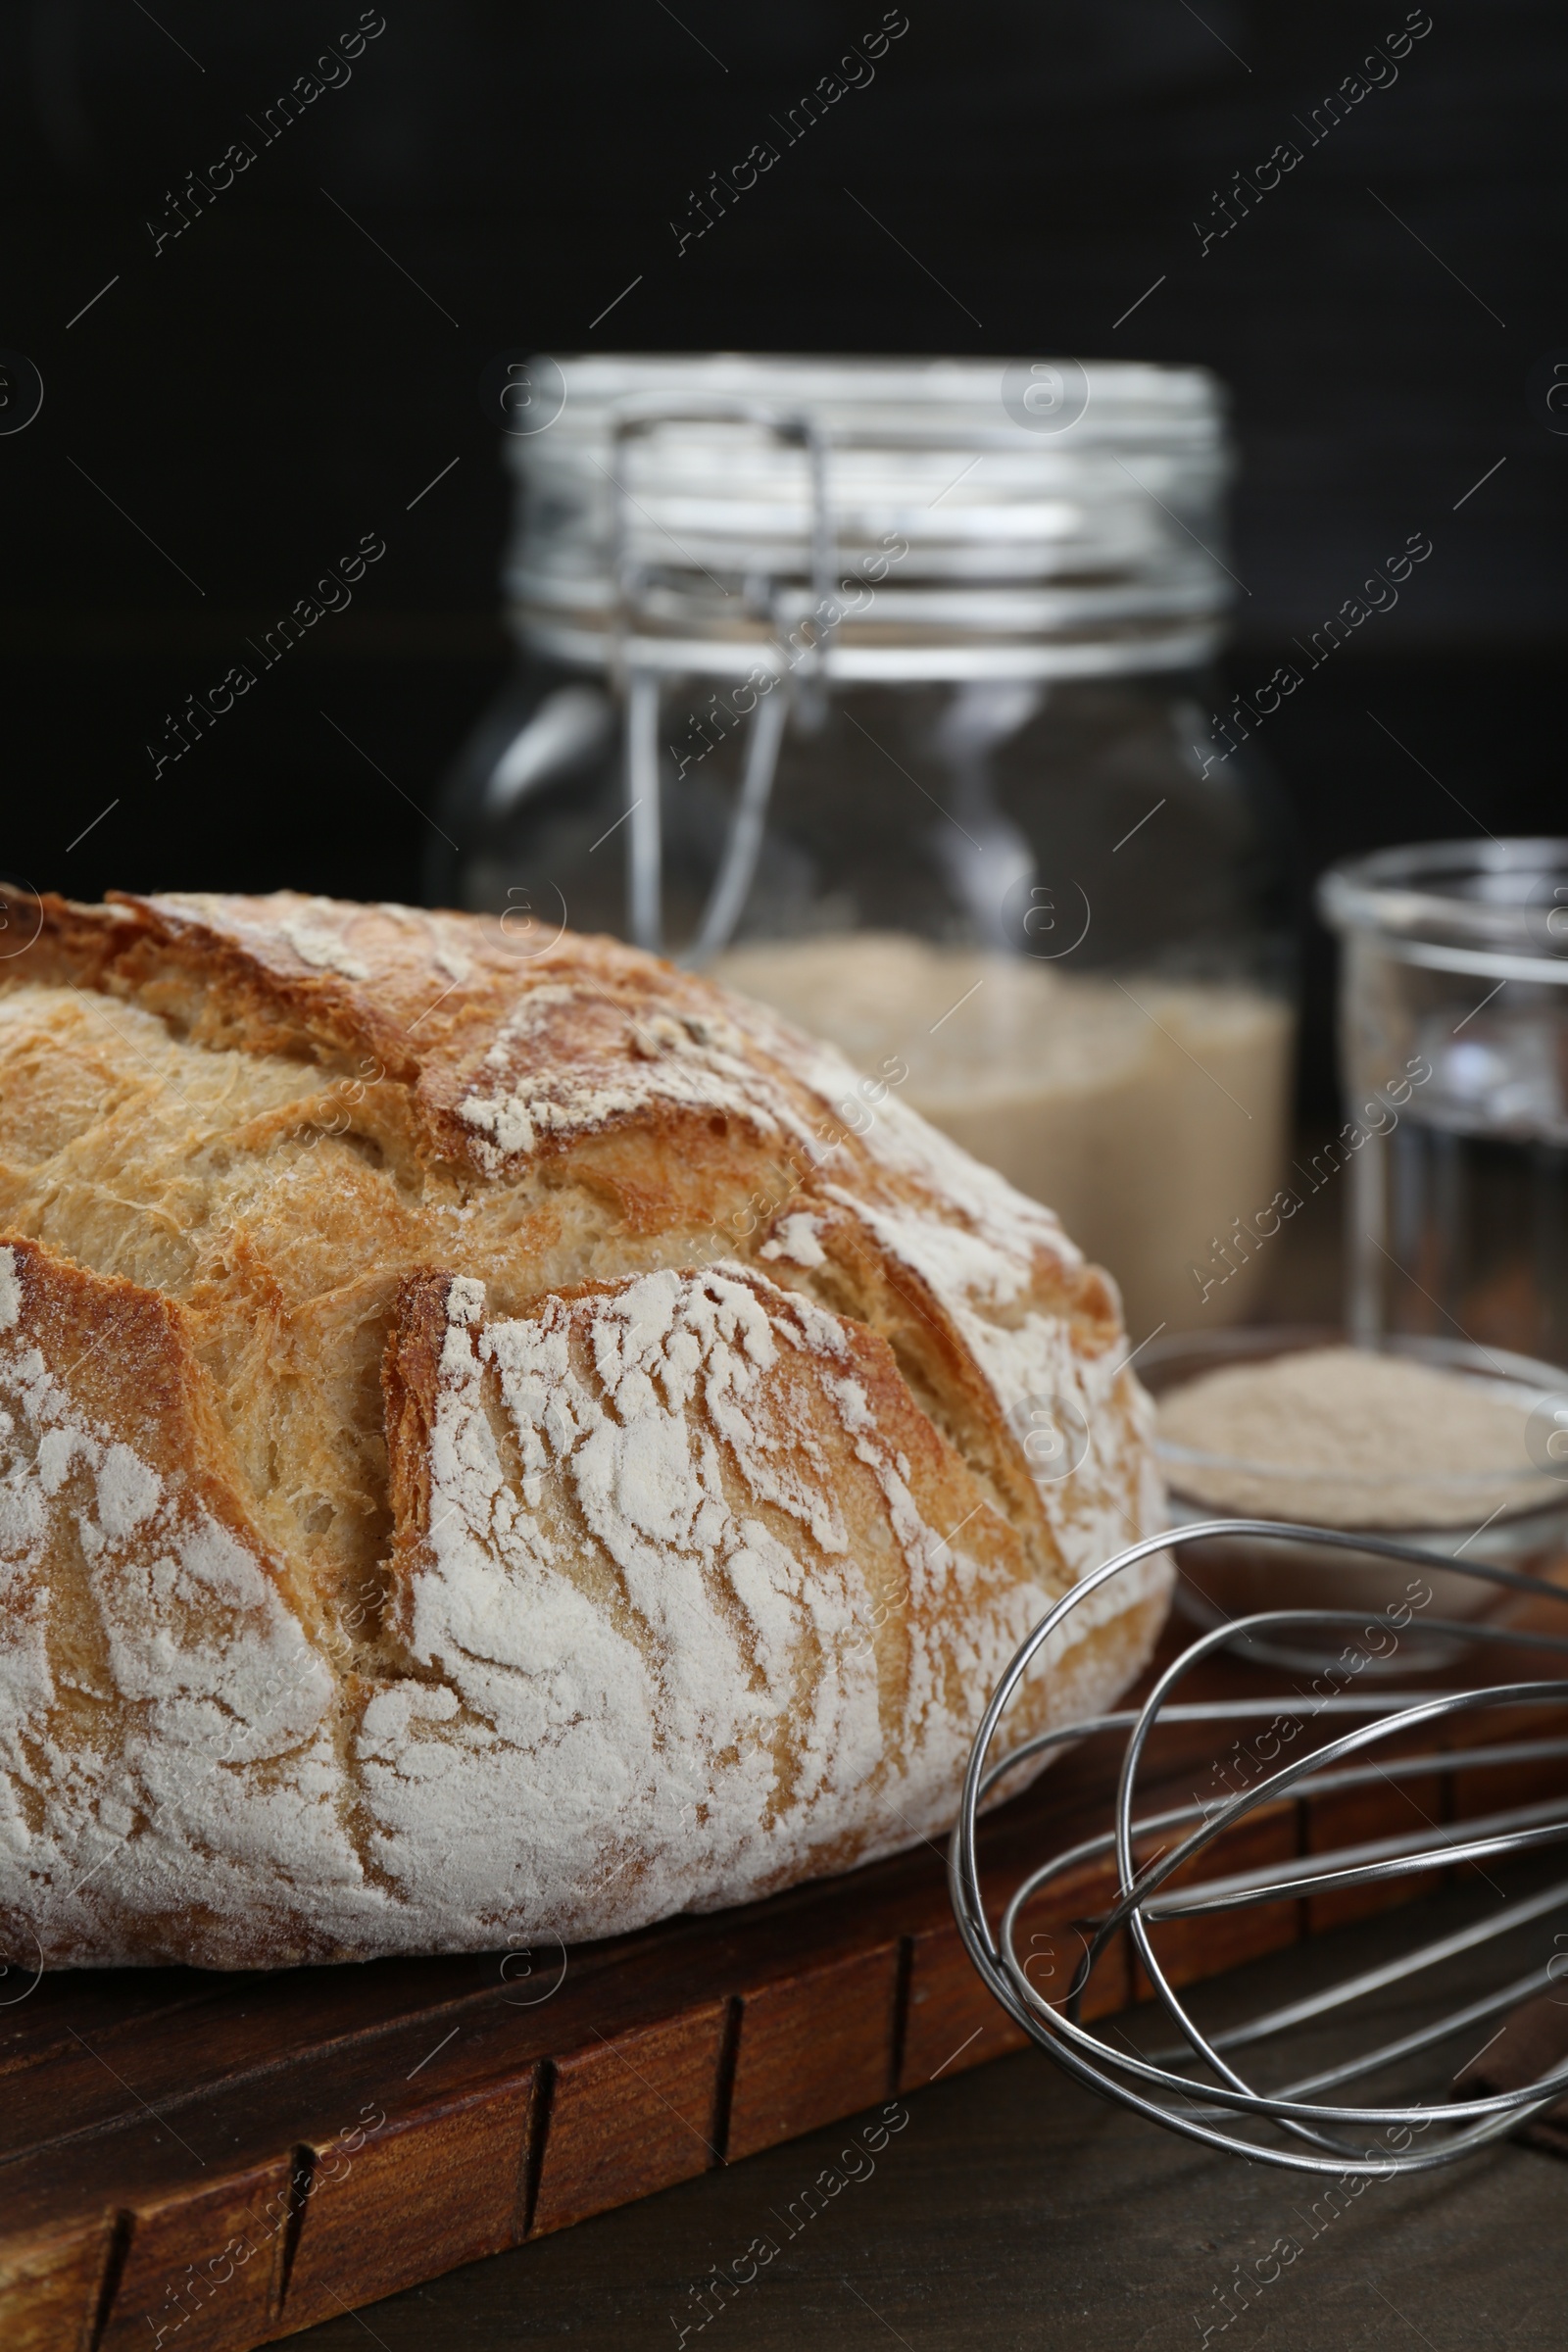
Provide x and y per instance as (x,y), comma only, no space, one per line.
(1194,2086)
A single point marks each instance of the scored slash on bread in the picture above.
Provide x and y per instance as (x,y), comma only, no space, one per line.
(489,1448)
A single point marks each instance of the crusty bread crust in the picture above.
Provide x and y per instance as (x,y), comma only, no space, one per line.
(498,1437)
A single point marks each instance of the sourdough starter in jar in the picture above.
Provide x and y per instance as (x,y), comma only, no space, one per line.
(1125,1107)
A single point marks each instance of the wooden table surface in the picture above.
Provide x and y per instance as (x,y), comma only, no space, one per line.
(1013,2208)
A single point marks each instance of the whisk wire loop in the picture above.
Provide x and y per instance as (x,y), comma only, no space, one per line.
(1295,2126)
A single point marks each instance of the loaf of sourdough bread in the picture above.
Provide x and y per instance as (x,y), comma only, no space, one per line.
(500,1439)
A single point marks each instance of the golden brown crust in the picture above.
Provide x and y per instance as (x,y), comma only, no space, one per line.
(144,1622)
(314,1185)
(409,1380)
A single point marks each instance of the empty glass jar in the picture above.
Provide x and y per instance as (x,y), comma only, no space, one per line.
(881,689)
(1453,1045)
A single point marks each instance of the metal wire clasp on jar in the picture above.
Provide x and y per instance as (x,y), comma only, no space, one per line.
(1194,2088)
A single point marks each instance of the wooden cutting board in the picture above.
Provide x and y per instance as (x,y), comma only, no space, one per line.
(208,2162)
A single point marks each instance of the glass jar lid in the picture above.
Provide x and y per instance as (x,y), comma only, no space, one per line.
(919,519)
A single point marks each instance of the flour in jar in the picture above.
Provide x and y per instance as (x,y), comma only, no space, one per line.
(1147,1114)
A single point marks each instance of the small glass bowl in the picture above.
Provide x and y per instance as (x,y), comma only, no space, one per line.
(1224,1579)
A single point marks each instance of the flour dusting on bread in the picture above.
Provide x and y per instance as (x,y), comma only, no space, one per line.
(494,1444)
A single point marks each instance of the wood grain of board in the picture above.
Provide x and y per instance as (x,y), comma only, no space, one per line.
(209,2163)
